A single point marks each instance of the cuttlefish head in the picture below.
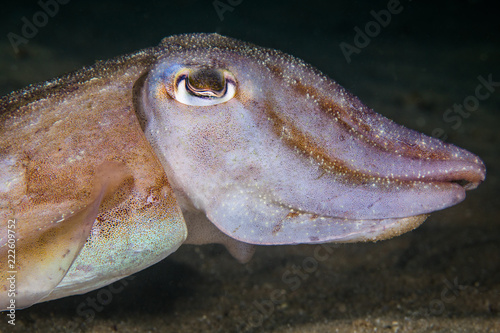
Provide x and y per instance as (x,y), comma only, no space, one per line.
(275,152)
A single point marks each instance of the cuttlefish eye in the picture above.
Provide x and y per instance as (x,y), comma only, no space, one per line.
(204,86)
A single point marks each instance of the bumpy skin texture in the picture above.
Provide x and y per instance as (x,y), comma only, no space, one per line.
(106,172)
(293,157)
(74,156)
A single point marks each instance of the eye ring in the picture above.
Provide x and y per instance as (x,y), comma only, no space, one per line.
(204,86)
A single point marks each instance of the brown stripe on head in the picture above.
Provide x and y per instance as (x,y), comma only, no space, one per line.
(352,120)
(300,141)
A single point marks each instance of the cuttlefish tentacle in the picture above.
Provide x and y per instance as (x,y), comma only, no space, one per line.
(249,145)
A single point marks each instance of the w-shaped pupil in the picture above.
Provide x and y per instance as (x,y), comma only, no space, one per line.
(207,80)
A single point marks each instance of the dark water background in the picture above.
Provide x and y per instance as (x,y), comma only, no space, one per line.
(442,277)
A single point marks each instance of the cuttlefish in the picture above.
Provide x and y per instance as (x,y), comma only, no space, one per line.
(202,139)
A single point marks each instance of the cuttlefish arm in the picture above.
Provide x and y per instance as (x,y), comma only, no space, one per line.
(204,139)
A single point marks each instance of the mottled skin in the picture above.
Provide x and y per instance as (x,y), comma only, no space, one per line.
(61,142)
(108,170)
